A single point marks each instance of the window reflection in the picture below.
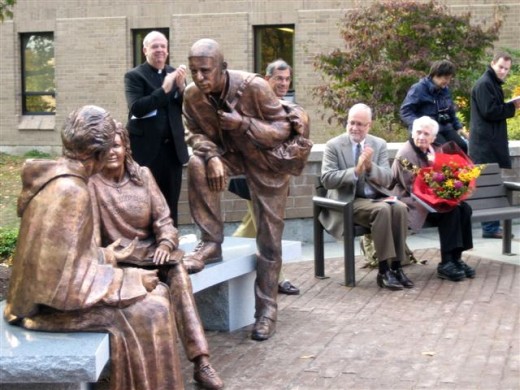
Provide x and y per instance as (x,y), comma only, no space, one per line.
(38,68)
(271,43)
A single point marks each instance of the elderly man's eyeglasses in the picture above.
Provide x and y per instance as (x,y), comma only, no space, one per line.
(357,123)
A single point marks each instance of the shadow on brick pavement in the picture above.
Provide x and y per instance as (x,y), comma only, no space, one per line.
(438,335)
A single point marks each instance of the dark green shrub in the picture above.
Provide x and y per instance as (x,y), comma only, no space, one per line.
(389,45)
(512,89)
(34,153)
(8,239)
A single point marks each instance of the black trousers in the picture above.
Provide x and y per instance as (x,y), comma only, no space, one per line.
(452,135)
(167,171)
(454,228)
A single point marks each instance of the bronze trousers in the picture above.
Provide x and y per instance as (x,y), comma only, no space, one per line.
(268,195)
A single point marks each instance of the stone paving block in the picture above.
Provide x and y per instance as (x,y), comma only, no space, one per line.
(439,335)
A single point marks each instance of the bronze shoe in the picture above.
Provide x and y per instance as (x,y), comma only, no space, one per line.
(263,329)
(207,377)
(206,252)
(193,265)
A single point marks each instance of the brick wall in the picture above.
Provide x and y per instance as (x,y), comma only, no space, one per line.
(299,203)
(90,71)
(94,49)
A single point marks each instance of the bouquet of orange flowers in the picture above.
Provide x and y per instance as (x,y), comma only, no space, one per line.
(447,182)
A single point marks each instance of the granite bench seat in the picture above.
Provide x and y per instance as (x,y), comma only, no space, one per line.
(50,361)
(224,291)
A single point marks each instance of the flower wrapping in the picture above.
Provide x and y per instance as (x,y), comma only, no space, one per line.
(447,182)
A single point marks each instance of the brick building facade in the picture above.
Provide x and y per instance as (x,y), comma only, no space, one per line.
(93,49)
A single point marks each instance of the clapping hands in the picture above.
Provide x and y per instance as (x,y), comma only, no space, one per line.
(177,78)
(364,164)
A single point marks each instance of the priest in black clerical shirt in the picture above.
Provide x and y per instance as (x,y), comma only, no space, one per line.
(154,93)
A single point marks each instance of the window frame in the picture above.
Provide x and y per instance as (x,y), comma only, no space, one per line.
(138,35)
(261,63)
(24,39)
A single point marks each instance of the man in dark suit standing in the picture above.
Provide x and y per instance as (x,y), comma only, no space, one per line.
(154,94)
(355,167)
(488,142)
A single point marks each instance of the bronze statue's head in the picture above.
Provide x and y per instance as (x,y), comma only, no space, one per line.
(207,47)
(131,167)
(207,66)
(87,133)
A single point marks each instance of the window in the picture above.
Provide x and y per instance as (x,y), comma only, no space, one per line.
(137,39)
(38,85)
(272,43)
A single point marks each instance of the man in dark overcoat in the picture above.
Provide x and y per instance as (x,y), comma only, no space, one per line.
(488,141)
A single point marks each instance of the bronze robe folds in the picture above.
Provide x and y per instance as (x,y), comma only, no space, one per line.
(59,281)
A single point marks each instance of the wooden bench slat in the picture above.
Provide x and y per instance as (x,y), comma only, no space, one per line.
(496,214)
(489,180)
(491,169)
(489,192)
(488,203)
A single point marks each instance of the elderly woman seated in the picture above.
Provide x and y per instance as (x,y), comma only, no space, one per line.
(454,226)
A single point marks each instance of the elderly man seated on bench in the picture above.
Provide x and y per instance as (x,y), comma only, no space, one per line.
(455,225)
(355,167)
(61,281)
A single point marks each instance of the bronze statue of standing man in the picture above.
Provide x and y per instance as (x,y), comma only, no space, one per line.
(232,118)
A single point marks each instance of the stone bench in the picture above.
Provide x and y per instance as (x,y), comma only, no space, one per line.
(50,361)
(69,361)
(224,291)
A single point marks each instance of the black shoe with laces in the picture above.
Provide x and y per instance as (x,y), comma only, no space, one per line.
(450,271)
(402,278)
(389,281)
(468,271)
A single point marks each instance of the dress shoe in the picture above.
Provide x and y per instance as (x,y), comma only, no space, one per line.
(468,271)
(207,377)
(402,278)
(450,271)
(286,287)
(263,329)
(389,281)
(206,252)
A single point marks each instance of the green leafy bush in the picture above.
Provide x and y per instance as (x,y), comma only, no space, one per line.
(8,239)
(390,45)
(34,153)
(512,89)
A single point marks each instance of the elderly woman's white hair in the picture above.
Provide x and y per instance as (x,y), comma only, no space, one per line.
(425,122)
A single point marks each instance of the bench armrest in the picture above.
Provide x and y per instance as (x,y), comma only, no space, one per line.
(512,185)
(327,203)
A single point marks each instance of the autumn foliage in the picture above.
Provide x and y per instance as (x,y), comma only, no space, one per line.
(389,45)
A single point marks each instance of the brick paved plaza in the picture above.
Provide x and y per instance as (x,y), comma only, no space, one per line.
(438,335)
